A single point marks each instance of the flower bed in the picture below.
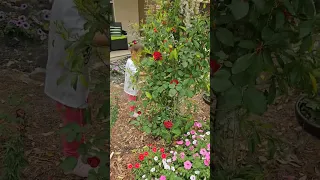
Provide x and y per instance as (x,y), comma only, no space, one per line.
(188,159)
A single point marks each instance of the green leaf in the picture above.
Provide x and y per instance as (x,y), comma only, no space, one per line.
(176,132)
(225,36)
(69,164)
(148,95)
(239,8)
(266,33)
(267,59)
(146,129)
(242,63)
(74,82)
(272,92)
(305,28)
(271,148)
(259,4)
(255,101)
(172,92)
(233,97)
(220,84)
(251,145)
(71,136)
(280,20)
(306,44)
(309,8)
(61,79)
(247,44)
(222,74)
(184,64)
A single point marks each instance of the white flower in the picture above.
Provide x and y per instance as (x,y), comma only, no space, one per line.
(168,160)
(175,153)
(173,169)
(208,133)
(187,140)
(194,142)
(167,167)
(202,136)
(171,152)
(152,169)
(159,164)
(144,176)
(164,161)
(192,177)
(156,158)
(197,172)
(188,133)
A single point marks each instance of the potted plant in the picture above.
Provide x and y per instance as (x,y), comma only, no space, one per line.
(307,110)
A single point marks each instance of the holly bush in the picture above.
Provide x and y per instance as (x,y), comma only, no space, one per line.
(261,48)
(79,49)
(177,71)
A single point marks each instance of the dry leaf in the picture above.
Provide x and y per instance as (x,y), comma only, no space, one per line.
(48,133)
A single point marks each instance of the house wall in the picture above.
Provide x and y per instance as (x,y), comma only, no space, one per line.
(126,12)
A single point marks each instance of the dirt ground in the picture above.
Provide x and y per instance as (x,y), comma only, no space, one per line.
(42,143)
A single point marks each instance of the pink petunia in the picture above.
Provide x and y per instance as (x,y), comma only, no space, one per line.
(182,155)
(208,146)
(187,165)
(196,155)
(203,152)
(197,124)
(174,158)
(188,143)
(200,131)
(162,177)
(192,132)
(191,148)
(207,156)
(180,142)
(194,136)
(206,162)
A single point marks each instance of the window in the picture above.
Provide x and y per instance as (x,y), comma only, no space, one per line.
(112,18)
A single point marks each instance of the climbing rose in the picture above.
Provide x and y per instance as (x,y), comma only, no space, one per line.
(154,149)
(215,66)
(146,153)
(157,56)
(163,156)
(168,124)
(174,81)
(93,161)
(130,166)
(141,157)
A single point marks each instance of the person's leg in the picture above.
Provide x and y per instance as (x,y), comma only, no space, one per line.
(71,115)
(132,99)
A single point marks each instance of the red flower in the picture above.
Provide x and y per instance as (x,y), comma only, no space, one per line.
(164,41)
(130,166)
(154,149)
(141,157)
(163,156)
(139,112)
(162,150)
(174,30)
(174,81)
(164,22)
(149,145)
(168,124)
(134,42)
(93,161)
(215,66)
(137,165)
(157,56)
(155,30)
(146,153)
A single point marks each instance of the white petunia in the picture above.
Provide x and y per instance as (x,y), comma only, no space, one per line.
(175,153)
(188,133)
(194,142)
(208,133)
(152,169)
(156,158)
(171,152)
(164,160)
(168,160)
(144,176)
(192,177)
(197,172)
(173,169)
(167,167)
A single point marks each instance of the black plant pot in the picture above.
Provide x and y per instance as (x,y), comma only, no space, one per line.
(206,98)
(308,125)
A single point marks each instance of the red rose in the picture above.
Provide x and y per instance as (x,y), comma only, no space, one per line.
(141,157)
(215,66)
(155,30)
(134,42)
(130,166)
(168,124)
(93,161)
(137,165)
(146,153)
(157,56)
(139,112)
(163,156)
(174,81)
(162,150)
(154,149)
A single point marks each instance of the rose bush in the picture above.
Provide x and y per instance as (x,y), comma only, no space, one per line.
(177,70)
(260,49)
(189,159)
